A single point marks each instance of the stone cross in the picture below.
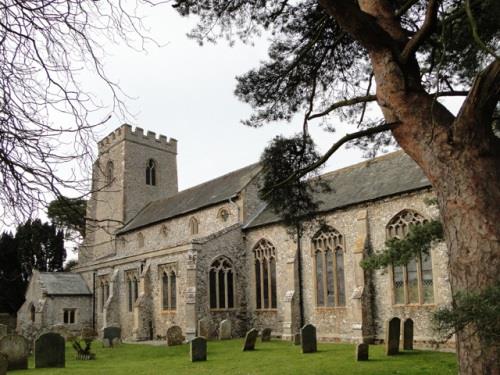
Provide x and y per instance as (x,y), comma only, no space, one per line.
(50,351)
(266,334)
(308,339)
(3,364)
(17,349)
(111,333)
(408,334)
(392,333)
(174,336)
(225,329)
(362,352)
(250,339)
(204,327)
(198,349)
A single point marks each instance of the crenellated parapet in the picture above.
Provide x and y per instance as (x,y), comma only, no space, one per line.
(138,135)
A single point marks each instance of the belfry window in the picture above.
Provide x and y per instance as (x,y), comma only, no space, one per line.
(169,287)
(221,284)
(412,283)
(328,257)
(265,275)
(151,173)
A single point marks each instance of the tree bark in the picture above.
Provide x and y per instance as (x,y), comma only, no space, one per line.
(460,156)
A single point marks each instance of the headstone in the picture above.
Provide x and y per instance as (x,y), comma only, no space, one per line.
(3,364)
(362,352)
(296,339)
(50,350)
(174,336)
(204,327)
(116,342)
(225,329)
(112,332)
(266,334)
(308,339)
(3,330)
(106,343)
(17,349)
(250,339)
(392,333)
(408,334)
(198,349)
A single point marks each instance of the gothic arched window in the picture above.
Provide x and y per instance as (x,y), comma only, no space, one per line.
(133,289)
(110,170)
(140,239)
(169,287)
(412,283)
(328,253)
(193,226)
(104,292)
(32,313)
(151,173)
(223,214)
(221,284)
(265,275)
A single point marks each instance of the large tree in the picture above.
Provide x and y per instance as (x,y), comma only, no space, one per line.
(339,56)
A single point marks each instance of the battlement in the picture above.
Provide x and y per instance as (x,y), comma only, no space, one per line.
(148,138)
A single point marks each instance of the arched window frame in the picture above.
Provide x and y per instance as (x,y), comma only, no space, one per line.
(221,284)
(109,173)
(140,240)
(151,176)
(265,275)
(398,227)
(328,249)
(193,226)
(104,291)
(168,275)
(223,214)
(132,278)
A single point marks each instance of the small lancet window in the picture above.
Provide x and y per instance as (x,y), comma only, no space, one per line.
(109,172)
(193,226)
(151,173)
(140,240)
(223,214)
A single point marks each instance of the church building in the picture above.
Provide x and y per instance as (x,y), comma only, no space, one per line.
(155,256)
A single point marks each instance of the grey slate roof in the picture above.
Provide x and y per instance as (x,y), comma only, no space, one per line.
(380,177)
(63,283)
(209,193)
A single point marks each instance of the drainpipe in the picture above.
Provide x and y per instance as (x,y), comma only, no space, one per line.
(299,265)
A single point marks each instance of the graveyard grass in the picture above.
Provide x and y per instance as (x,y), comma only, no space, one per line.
(227,357)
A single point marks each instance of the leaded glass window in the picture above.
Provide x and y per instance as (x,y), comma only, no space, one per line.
(265,275)
(168,274)
(221,282)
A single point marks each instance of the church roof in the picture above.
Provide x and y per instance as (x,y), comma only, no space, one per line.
(206,194)
(63,283)
(387,175)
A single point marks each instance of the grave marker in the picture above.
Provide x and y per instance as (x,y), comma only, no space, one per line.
(50,351)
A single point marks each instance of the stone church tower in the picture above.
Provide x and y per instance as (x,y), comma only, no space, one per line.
(131,170)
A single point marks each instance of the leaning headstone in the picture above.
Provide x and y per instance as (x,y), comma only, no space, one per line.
(174,336)
(116,342)
(392,333)
(296,339)
(198,349)
(308,336)
(17,349)
(3,330)
(408,334)
(362,352)
(204,327)
(250,339)
(111,333)
(3,364)
(266,334)
(50,351)
(225,329)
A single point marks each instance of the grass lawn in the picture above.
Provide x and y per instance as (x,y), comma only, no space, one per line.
(275,357)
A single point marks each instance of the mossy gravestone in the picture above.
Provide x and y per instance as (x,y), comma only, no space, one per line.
(392,333)
(111,333)
(3,364)
(408,334)
(362,352)
(198,349)
(50,351)
(250,339)
(308,339)
(225,330)
(17,349)
(174,336)
(266,334)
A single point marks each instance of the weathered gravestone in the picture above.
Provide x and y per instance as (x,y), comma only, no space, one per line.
(225,329)
(3,364)
(362,352)
(204,328)
(50,350)
(17,349)
(250,339)
(296,339)
(111,333)
(3,330)
(106,343)
(408,334)
(308,339)
(198,349)
(392,333)
(116,342)
(266,334)
(174,336)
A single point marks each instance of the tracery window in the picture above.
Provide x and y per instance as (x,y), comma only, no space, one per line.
(133,289)
(168,274)
(104,292)
(328,253)
(265,275)
(411,283)
(221,284)
(109,172)
(193,226)
(151,173)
